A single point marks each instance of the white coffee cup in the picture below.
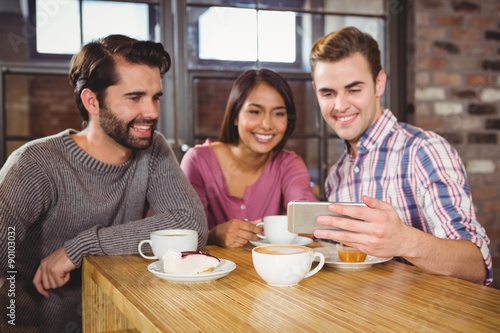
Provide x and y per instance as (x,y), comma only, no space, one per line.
(284,265)
(170,239)
(276,230)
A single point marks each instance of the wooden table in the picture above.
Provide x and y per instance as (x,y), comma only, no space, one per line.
(119,294)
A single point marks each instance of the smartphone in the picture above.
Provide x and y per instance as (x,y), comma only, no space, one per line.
(302,215)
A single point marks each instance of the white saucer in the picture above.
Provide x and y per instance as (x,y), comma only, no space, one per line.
(334,261)
(223,269)
(300,240)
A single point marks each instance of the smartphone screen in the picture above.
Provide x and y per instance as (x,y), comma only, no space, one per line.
(302,215)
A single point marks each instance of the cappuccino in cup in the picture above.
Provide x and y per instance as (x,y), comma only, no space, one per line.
(281,250)
(285,265)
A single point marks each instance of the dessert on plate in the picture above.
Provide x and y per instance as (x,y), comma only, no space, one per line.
(350,254)
(189,262)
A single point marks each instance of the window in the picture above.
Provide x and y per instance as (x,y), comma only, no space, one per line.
(241,34)
(77,22)
(225,37)
(37,105)
(36,98)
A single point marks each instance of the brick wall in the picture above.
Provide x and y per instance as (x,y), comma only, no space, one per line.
(455,88)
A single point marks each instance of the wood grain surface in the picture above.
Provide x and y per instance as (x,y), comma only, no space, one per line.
(120,294)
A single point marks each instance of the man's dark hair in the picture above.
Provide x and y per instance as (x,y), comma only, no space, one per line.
(342,44)
(94,67)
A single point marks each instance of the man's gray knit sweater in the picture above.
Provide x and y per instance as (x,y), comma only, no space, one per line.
(53,194)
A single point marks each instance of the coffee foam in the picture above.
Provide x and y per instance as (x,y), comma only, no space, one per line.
(173,235)
(281,249)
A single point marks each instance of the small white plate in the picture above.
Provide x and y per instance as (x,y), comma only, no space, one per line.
(334,261)
(300,240)
(224,268)
(332,258)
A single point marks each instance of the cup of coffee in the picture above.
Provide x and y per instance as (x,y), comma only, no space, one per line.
(276,230)
(170,239)
(284,265)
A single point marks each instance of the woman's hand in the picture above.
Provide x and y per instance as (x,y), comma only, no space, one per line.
(235,233)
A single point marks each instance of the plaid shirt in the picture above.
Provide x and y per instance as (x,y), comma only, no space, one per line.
(419,173)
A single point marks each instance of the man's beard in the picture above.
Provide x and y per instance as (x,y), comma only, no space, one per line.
(118,130)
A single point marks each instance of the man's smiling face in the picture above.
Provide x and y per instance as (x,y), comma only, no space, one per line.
(348,98)
(131,108)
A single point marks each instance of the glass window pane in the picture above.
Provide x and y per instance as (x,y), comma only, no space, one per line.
(234,3)
(276,36)
(371,25)
(37,105)
(57,21)
(317,5)
(367,7)
(102,18)
(283,46)
(235,34)
(372,7)
(228,34)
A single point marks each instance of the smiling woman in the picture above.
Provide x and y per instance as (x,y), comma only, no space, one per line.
(261,124)
(224,36)
(247,174)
